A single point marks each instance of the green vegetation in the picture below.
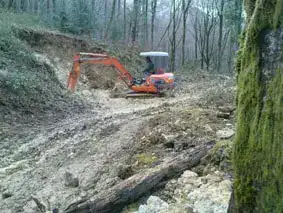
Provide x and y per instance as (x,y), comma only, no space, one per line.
(29,85)
(133,207)
(221,155)
(258,150)
(146,159)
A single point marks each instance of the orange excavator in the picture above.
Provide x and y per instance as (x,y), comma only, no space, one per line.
(152,85)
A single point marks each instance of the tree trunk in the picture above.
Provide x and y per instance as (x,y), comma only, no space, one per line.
(48,7)
(195,24)
(146,21)
(131,189)
(185,10)
(184,32)
(239,10)
(119,8)
(153,14)
(23,5)
(105,16)
(173,39)
(258,157)
(135,20)
(125,21)
(111,19)
(11,4)
(219,54)
(54,6)
(2,4)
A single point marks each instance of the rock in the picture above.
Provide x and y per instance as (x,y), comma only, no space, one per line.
(208,128)
(14,167)
(199,169)
(169,145)
(71,181)
(189,209)
(153,205)
(189,174)
(6,195)
(223,115)
(55,210)
(229,125)
(225,133)
(202,194)
(125,171)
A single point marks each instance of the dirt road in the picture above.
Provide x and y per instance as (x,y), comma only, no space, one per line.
(92,146)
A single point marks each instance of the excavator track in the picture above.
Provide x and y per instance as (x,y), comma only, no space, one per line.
(143,95)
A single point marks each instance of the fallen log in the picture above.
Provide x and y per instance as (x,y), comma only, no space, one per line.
(131,189)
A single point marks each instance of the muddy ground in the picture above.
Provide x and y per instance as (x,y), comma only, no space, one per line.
(60,161)
(96,145)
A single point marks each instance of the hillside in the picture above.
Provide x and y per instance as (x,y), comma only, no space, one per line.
(63,150)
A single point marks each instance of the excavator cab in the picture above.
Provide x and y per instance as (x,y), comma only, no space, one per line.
(161,79)
(159,59)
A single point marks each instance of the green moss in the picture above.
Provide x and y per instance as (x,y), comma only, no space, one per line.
(224,146)
(146,159)
(133,207)
(258,150)
(278,16)
(221,154)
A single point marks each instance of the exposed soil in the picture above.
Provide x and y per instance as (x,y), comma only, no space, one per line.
(110,141)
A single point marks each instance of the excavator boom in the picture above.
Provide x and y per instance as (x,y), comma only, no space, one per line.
(91,58)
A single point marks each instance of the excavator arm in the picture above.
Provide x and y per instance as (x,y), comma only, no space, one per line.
(91,58)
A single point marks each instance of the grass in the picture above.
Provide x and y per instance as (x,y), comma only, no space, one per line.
(28,85)
(146,159)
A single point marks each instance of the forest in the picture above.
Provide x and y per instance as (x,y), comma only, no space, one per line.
(197,33)
(141,106)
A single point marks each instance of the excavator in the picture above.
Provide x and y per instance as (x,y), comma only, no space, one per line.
(153,85)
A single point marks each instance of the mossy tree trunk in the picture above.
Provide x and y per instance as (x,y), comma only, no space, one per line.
(258,151)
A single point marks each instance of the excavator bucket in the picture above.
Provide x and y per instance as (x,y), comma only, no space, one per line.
(72,81)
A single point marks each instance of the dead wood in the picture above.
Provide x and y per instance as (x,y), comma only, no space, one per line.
(129,190)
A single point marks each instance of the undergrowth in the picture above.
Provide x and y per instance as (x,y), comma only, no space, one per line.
(29,86)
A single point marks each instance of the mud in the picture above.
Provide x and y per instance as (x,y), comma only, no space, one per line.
(113,139)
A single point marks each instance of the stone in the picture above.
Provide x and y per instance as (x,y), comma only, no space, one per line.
(189,174)
(71,181)
(223,115)
(193,193)
(225,133)
(153,205)
(6,195)
(125,171)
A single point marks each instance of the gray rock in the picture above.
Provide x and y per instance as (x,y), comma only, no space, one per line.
(153,205)
(71,181)
(125,171)
(6,195)
(225,133)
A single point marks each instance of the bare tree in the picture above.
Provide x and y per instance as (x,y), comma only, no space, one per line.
(12,4)
(111,18)
(153,14)
(220,15)
(136,12)
(146,20)
(125,20)
(185,10)
(173,38)
(195,27)
(206,33)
